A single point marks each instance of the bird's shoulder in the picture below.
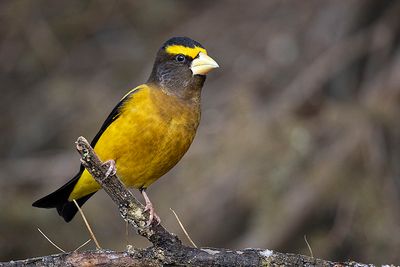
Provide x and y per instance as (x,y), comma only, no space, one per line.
(116,112)
(150,101)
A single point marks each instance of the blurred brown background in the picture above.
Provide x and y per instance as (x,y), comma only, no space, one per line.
(300,133)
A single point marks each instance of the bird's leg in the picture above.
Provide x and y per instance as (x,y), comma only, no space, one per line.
(112,170)
(149,207)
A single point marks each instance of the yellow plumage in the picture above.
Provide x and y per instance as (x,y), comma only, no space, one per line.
(151,134)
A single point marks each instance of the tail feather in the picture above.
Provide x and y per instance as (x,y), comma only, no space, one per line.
(59,199)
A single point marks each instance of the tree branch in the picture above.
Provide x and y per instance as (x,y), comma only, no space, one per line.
(167,249)
(130,208)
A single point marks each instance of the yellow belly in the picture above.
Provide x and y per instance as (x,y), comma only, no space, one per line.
(152,133)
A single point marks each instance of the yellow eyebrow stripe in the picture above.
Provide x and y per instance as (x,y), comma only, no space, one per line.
(184,50)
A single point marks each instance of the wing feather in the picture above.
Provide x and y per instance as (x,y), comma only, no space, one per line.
(113,115)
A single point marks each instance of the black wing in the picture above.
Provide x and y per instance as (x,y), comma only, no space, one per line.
(113,116)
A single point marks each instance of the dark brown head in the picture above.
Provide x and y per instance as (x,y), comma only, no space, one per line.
(181,66)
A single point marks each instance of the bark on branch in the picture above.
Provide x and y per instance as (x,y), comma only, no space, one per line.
(130,208)
(167,249)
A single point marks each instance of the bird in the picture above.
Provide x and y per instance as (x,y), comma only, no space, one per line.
(148,131)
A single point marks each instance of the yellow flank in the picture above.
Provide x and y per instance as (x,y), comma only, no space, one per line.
(184,50)
(151,134)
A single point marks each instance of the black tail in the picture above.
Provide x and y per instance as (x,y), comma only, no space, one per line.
(59,199)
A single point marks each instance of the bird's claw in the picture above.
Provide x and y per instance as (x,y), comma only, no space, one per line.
(152,215)
(149,207)
(112,170)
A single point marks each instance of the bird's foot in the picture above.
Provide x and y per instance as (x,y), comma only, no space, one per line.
(152,214)
(149,207)
(112,170)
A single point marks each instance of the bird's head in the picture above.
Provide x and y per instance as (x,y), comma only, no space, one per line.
(181,66)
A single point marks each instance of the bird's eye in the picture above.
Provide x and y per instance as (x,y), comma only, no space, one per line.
(180,58)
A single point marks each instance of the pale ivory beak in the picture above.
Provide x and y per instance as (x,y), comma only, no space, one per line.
(203,64)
